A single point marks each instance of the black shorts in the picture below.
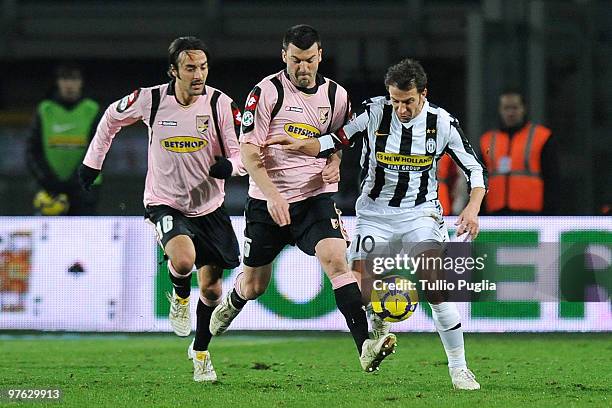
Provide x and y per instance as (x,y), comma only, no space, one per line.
(212,234)
(312,220)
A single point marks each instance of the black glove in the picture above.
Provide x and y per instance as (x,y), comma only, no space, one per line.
(87,176)
(222,169)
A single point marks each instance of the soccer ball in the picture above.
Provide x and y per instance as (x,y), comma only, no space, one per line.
(394,298)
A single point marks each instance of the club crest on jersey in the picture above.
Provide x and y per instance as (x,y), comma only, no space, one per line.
(430,145)
(127,101)
(202,124)
(301,130)
(403,163)
(323,114)
(183,144)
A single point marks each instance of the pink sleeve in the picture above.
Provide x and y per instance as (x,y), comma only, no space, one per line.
(256,116)
(230,127)
(123,112)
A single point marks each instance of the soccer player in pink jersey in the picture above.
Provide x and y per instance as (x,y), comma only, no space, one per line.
(290,193)
(193,148)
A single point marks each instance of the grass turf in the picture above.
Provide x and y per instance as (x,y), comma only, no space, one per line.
(309,369)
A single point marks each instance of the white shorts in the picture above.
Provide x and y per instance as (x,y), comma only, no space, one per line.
(402,226)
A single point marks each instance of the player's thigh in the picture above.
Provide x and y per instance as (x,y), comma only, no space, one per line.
(372,237)
(263,238)
(317,219)
(174,234)
(215,240)
(424,234)
(331,255)
(427,224)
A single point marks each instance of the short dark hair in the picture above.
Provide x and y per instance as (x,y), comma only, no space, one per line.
(406,74)
(513,90)
(68,70)
(302,36)
(181,44)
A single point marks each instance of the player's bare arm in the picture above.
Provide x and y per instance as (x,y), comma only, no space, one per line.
(278,207)
(468,219)
(323,146)
(309,147)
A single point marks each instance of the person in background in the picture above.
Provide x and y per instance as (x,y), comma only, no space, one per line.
(452,188)
(61,131)
(521,157)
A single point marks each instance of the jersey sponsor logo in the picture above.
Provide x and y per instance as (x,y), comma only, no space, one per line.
(430,145)
(252,101)
(183,144)
(127,101)
(301,130)
(294,109)
(324,114)
(247,118)
(237,115)
(202,124)
(167,123)
(403,163)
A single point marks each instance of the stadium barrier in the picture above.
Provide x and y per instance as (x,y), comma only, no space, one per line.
(108,274)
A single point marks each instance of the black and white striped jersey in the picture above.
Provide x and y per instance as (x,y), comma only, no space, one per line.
(399,160)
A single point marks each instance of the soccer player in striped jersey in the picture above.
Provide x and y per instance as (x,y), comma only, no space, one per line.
(193,148)
(290,193)
(405,135)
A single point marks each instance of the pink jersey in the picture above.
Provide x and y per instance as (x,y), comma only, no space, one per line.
(276,107)
(183,141)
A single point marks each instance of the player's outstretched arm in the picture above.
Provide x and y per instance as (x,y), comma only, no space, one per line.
(323,146)
(309,147)
(123,112)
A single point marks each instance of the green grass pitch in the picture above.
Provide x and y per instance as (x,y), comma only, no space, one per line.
(309,369)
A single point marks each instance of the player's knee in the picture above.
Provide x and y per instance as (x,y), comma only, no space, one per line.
(256,289)
(334,264)
(445,315)
(212,291)
(182,264)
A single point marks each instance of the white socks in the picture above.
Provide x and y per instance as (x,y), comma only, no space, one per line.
(446,317)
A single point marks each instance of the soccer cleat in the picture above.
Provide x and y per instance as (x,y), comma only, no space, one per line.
(179,316)
(203,369)
(379,326)
(463,379)
(374,351)
(222,316)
